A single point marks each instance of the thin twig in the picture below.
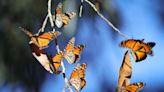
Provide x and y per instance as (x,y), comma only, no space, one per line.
(109,23)
(81,8)
(57,46)
(49,13)
(43,25)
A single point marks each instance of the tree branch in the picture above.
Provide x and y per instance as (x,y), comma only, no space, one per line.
(109,23)
(43,25)
(57,46)
(81,8)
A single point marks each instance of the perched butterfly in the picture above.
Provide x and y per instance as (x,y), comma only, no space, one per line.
(61,19)
(42,40)
(72,54)
(139,48)
(56,62)
(41,56)
(77,77)
(135,87)
(125,72)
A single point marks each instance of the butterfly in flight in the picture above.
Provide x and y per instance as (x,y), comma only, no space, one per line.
(77,77)
(71,53)
(62,19)
(43,40)
(139,48)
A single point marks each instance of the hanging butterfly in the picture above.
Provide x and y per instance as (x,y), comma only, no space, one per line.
(55,62)
(135,87)
(139,48)
(61,19)
(71,53)
(41,56)
(42,40)
(125,72)
(77,77)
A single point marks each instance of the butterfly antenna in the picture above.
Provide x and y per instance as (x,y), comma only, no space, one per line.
(26,32)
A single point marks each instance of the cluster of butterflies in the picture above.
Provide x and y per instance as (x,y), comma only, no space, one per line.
(71,53)
(139,50)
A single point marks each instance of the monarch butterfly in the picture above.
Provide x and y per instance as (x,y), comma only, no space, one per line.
(125,72)
(41,56)
(139,48)
(42,40)
(55,62)
(61,19)
(134,87)
(77,77)
(72,54)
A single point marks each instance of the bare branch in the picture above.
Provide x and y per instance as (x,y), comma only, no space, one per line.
(81,8)
(57,46)
(109,23)
(43,26)
(49,13)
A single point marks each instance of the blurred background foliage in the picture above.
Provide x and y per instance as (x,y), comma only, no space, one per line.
(19,70)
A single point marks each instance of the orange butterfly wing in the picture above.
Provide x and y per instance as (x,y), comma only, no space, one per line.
(134,87)
(44,39)
(131,44)
(56,62)
(77,77)
(83,83)
(66,17)
(77,52)
(82,70)
(146,48)
(69,51)
(70,45)
(139,56)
